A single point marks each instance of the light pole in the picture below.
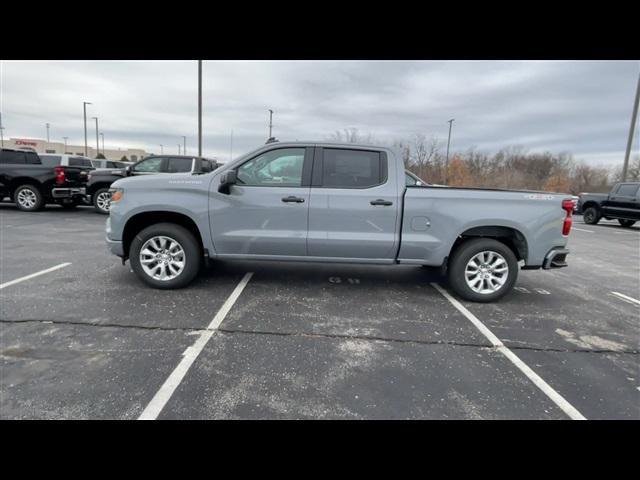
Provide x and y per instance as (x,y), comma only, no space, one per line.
(184,148)
(179,149)
(65,144)
(200,108)
(84,106)
(97,144)
(634,118)
(1,129)
(446,165)
(231,146)
(47,134)
(270,122)
(161,149)
(102,135)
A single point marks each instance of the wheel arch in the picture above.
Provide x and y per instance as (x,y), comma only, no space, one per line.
(511,237)
(143,220)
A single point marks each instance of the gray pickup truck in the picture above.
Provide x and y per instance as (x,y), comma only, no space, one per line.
(320,202)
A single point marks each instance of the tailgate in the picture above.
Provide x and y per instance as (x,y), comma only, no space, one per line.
(75,176)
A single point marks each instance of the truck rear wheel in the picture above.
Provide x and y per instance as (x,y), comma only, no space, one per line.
(626,223)
(165,256)
(28,198)
(591,216)
(483,270)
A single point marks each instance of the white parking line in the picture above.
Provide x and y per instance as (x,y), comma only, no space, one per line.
(37,274)
(163,395)
(627,298)
(555,397)
(582,230)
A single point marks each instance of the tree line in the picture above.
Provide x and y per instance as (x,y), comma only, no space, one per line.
(511,167)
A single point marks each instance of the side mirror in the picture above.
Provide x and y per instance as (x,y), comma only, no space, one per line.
(226,180)
(128,170)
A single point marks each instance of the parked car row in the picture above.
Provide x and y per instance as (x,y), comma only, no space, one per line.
(32,180)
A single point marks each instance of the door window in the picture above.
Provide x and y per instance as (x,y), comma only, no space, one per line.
(179,165)
(351,168)
(627,190)
(282,168)
(152,165)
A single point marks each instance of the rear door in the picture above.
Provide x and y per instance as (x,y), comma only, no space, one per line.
(354,206)
(266,212)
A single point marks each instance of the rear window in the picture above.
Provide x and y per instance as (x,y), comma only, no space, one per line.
(12,158)
(627,190)
(352,168)
(179,165)
(79,162)
(51,160)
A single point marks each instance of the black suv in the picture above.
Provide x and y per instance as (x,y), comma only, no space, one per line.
(100,180)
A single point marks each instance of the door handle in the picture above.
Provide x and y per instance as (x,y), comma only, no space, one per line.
(292,199)
(380,201)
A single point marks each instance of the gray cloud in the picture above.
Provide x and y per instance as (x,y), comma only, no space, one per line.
(576,106)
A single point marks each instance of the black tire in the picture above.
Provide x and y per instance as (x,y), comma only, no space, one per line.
(591,216)
(28,191)
(464,253)
(190,246)
(97,201)
(626,223)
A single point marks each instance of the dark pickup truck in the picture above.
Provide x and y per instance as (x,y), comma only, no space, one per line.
(622,203)
(100,180)
(31,184)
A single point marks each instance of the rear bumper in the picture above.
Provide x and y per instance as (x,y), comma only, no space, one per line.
(68,192)
(556,258)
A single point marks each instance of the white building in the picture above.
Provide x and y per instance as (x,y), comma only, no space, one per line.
(42,146)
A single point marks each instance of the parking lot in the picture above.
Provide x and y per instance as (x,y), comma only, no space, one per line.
(309,341)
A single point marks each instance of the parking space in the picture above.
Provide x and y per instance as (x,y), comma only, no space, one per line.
(88,340)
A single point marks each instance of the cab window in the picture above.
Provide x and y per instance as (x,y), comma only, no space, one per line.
(151,165)
(282,167)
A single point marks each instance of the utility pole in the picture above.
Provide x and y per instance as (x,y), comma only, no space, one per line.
(161,149)
(634,119)
(270,122)
(200,108)
(231,146)
(179,149)
(102,136)
(84,106)
(97,144)
(47,134)
(184,148)
(65,144)
(446,165)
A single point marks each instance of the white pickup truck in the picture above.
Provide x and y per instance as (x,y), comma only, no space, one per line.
(321,202)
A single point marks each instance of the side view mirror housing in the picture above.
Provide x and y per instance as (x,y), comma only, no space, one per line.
(128,171)
(228,178)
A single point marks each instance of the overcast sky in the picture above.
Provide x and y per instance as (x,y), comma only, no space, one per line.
(576,106)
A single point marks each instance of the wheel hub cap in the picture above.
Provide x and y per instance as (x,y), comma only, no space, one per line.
(162,258)
(486,272)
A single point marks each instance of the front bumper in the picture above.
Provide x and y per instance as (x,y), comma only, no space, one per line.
(556,258)
(115,246)
(68,192)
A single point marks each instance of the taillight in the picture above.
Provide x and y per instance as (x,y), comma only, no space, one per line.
(567,206)
(60,178)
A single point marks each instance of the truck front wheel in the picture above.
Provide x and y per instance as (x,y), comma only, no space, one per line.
(165,256)
(591,216)
(626,223)
(482,270)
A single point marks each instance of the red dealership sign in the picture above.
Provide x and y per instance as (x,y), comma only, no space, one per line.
(26,142)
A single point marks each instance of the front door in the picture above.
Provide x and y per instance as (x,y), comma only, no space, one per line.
(266,211)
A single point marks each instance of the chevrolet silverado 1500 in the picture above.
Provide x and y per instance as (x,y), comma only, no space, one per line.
(320,202)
